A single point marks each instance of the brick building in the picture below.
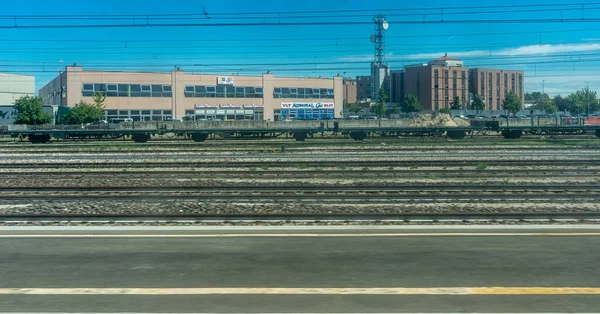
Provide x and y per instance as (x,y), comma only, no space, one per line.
(437,82)
(493,85)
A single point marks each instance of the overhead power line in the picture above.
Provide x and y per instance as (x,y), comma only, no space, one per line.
(313,23)
(430,10)
(194,16)
(127,41)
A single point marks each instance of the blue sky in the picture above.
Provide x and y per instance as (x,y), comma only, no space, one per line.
(566,56)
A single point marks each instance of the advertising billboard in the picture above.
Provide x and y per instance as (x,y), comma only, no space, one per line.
(225,80)
(307,105)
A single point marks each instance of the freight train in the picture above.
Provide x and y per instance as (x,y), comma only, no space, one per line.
(200,131)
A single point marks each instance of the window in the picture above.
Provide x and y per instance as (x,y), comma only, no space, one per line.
(156,90)
(88,90)
(146,112)
(135,91)
(111,112)
(199,91)
(167,88)
(250,91)
(123,112)
(99,87)
(167,111)
(111,90)
(229,91)
(146,91)
(123,90)
(135,112)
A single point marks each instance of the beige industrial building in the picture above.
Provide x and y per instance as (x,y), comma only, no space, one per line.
(149,96)
(15,86)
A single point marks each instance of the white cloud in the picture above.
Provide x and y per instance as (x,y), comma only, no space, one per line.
(523,50)
(357,58)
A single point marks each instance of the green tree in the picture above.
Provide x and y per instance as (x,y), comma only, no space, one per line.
(477,103)
(562,104)
(584,100)
(411,104)
(529,97)
(99,98)
(354,108)
(542,102)
(378,108)
(551,107)
(30,110)
(456,105)
(512,103)
(446,110)
(85,113)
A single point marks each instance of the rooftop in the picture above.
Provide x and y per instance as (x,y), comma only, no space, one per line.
(445,57)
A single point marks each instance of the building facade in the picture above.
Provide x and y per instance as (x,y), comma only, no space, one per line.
(396,86)
(492,85)
(439,81)
(13,87)
(363,87)
(379,79)
(151,96)
(350,93)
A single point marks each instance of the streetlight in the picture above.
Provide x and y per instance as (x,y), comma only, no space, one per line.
(587,99)
(543,86)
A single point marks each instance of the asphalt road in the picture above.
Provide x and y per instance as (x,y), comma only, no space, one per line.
(436,269)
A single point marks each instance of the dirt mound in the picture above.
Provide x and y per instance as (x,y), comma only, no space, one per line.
(438,119)
(461,122)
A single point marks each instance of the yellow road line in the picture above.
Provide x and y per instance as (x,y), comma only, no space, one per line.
(311,235)
(313,291)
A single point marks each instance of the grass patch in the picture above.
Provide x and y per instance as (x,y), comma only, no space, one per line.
(481,166)
(342,167)
(264,168)
(252,169)
(413,167)
(365,169)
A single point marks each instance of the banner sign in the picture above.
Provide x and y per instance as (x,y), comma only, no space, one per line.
(305,105)
(230,106)
(206,106)
(253,106)
(225,80)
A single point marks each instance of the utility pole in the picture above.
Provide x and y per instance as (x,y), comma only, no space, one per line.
(543,86)
(587,99)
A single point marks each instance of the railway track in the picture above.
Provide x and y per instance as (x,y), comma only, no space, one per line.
(250,218)
(341,162)
(308,172)
(293,149)
(392,188)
